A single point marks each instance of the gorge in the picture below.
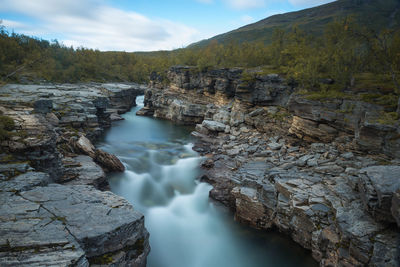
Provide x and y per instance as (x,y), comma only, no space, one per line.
(324,171)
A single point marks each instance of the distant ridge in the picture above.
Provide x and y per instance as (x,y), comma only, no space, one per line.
(376,14)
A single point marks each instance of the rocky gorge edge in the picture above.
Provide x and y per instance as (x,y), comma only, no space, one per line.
(53,209)
(325,172)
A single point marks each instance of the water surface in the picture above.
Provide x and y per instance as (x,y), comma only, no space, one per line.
(186,228)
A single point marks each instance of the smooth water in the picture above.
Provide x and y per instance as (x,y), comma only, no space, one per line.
(186,228)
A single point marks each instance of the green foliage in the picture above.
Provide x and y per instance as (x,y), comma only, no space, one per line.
(6,126)
(388,118)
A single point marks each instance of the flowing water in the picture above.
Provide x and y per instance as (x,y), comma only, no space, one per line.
(186,228)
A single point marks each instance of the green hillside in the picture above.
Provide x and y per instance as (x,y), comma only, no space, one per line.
(375,14)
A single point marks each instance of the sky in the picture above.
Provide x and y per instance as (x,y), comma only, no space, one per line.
(137,25)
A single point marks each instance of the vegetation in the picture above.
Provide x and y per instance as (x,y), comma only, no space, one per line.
(6,127)
(374,14)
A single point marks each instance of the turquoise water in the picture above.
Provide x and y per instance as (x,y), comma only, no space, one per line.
(186,228)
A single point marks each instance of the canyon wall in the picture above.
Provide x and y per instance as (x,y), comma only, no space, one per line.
(326,172)
(52,209)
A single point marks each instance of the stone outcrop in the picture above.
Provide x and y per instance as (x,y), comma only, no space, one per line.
(324,172)
(51,211)
(56,225)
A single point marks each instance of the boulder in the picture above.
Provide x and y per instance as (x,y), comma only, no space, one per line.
(108,161)
(82,170)
(84,146)
(52,118)
(214,126)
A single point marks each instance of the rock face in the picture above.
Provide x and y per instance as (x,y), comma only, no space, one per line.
(51,209)
(58,225)
(280,160)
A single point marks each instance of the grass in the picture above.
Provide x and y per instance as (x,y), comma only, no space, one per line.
(325,94)
(388,101)
(388,118)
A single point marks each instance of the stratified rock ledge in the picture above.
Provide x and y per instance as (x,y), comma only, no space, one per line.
(51,210)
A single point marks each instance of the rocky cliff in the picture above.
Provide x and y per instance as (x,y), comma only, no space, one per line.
(52,211)
(326,172)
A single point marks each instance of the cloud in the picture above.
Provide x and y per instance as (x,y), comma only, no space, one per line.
(12,24)
(247,19)
(94,24)
(245,4)
(309,3)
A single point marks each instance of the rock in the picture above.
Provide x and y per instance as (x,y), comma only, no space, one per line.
(83,145)
(377,187)
(214,126)
(60,226)
(248,208)
(222,116)
(318,147)
(395,209)
(101,103)
(108,161)
(52,118)
(233,152)
(116,117)
(330,169)
(13,169)
(43,105)
(25,182)
(57,225)
(275,146)
(347,155)
(38,239)
(82,170)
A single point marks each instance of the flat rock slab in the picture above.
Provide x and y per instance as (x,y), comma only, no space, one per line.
(25,182)
(82,170)
(377,188)
(69,225)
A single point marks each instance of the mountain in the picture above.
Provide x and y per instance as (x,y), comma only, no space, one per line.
(376,14)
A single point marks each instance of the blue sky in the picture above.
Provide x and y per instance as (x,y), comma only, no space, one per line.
(137,25)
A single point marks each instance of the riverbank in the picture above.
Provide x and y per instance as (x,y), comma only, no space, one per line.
(186,227)
(51,178)
(323,171)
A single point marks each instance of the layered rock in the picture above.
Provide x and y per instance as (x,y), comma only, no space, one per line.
(73,224)
(280,160)
(57,225)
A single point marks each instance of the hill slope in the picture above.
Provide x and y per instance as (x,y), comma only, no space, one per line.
(376,14)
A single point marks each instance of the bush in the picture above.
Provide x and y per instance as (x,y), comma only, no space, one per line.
(6,126)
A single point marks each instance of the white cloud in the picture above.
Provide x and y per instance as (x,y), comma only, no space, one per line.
(309,3)
(12,24)
(247,19)
(245,4)
(94,24)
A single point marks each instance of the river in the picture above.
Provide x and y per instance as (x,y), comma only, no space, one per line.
(186,228)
